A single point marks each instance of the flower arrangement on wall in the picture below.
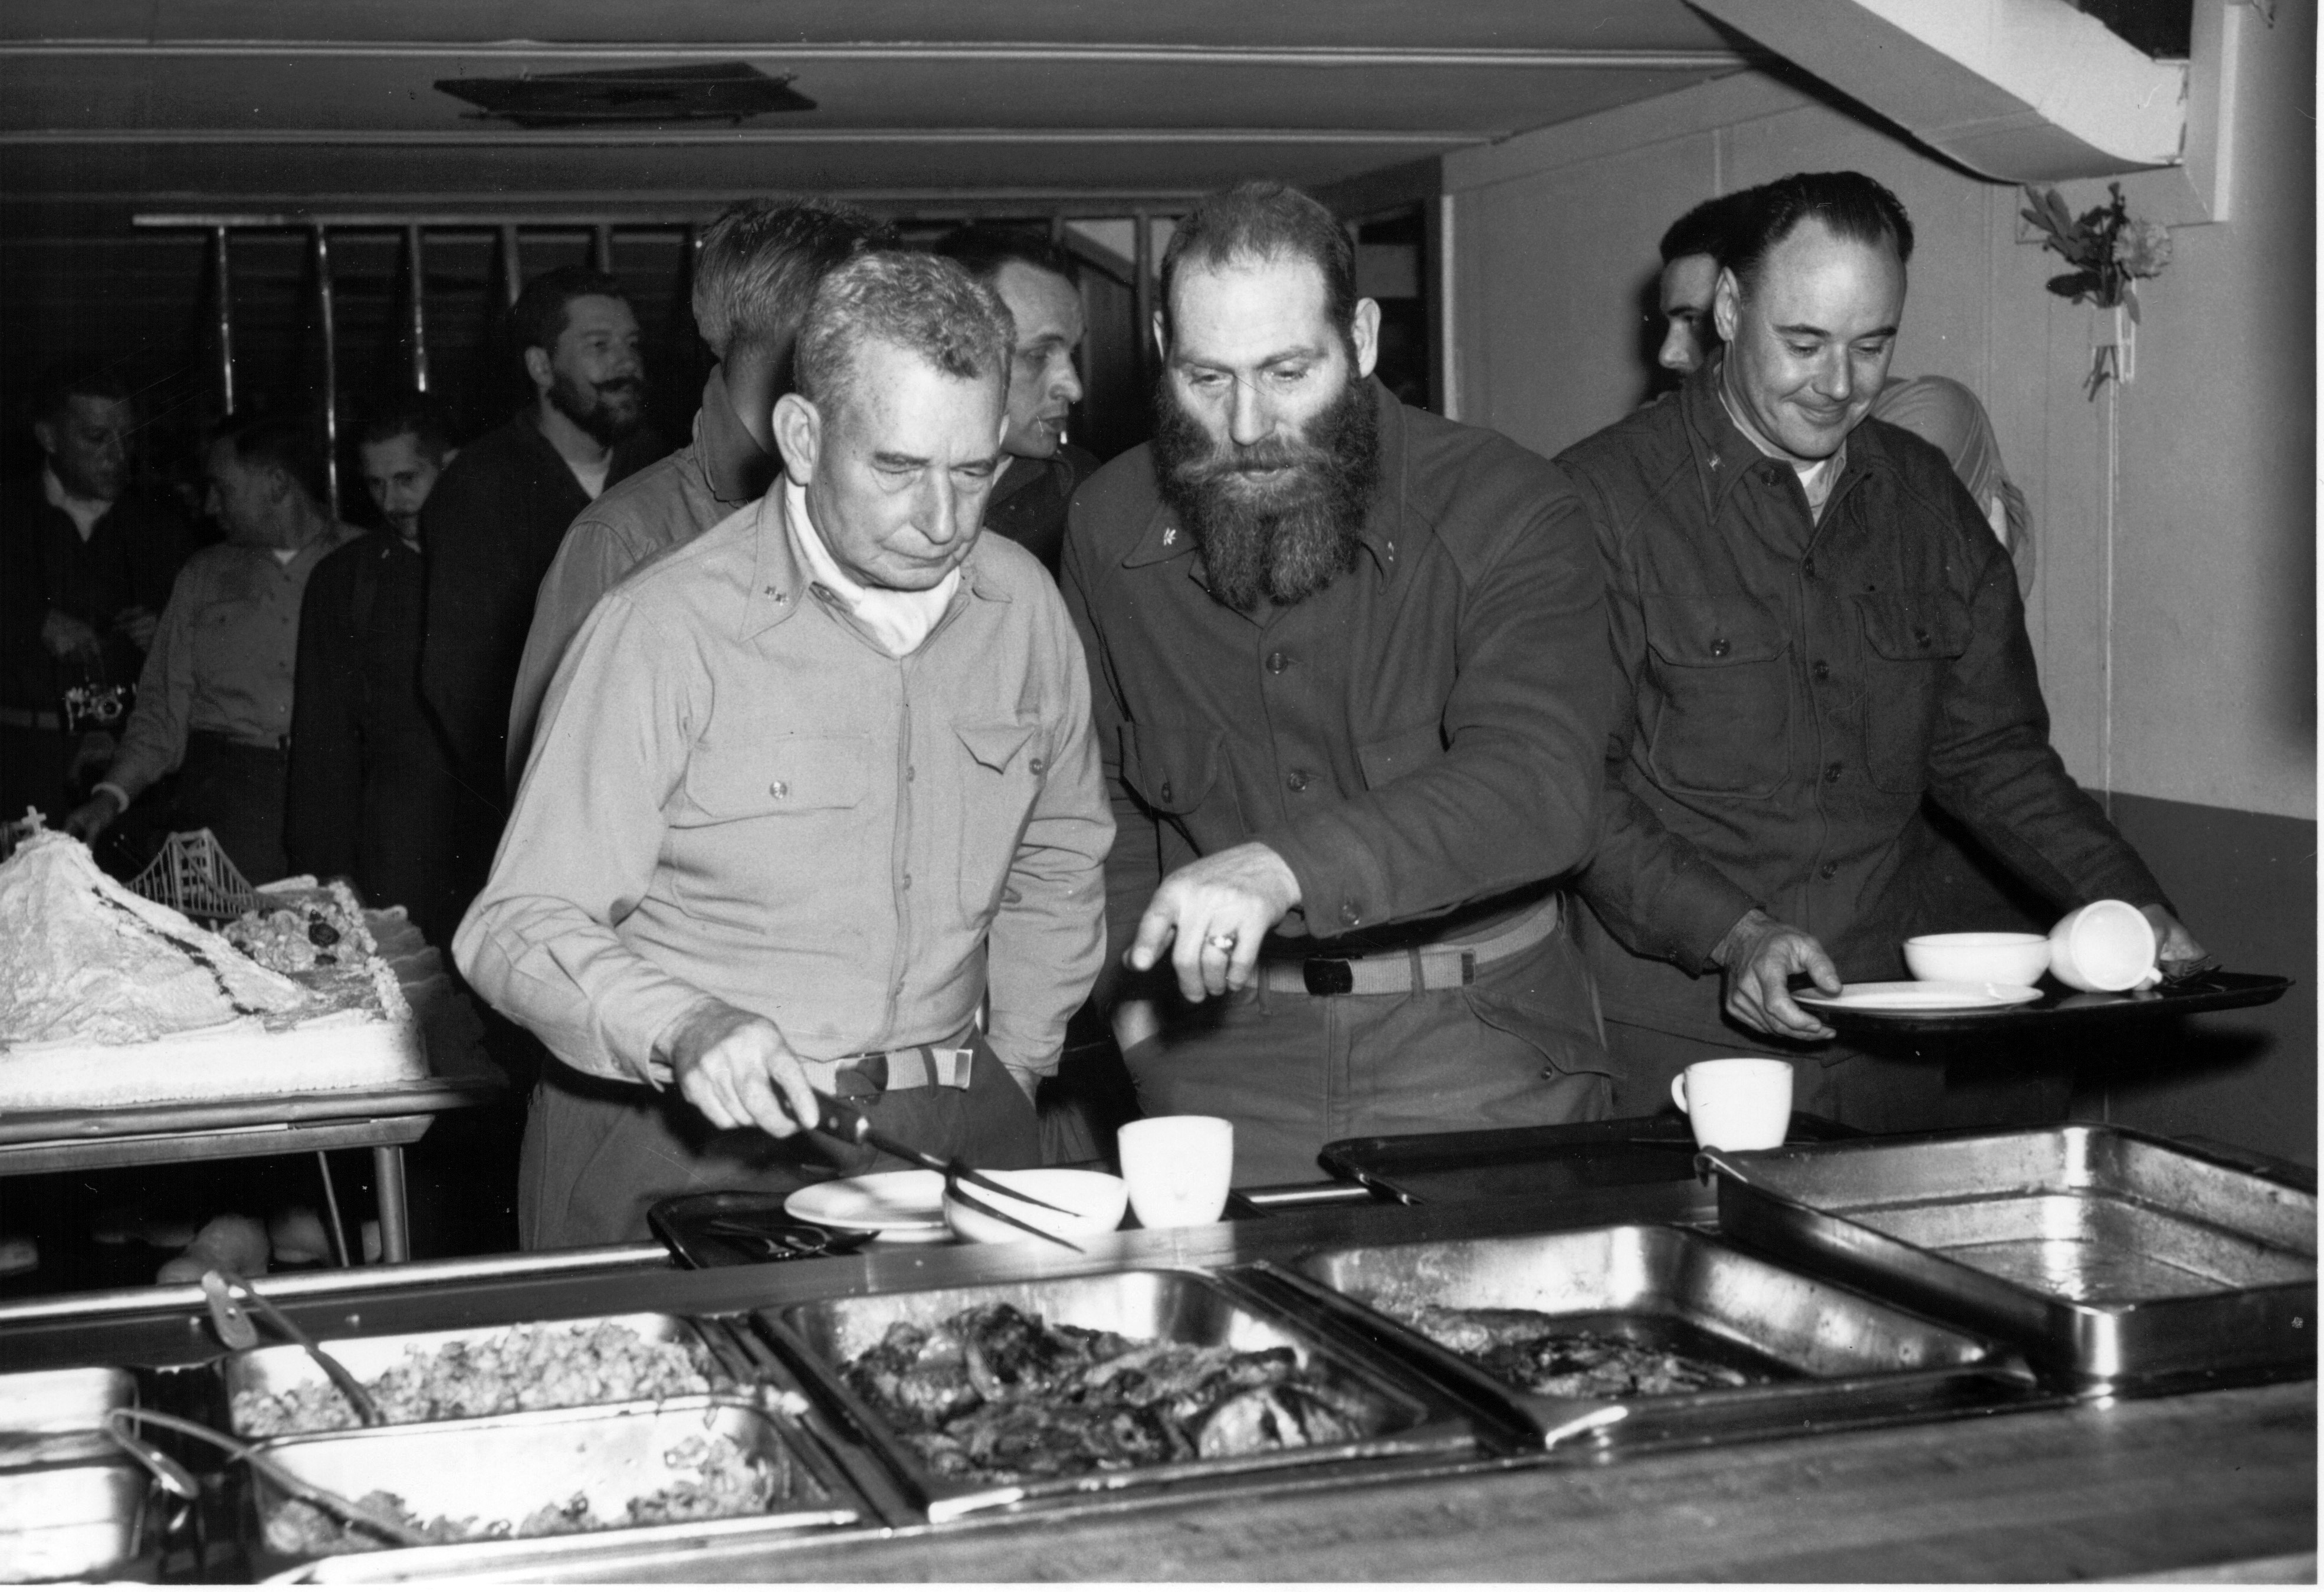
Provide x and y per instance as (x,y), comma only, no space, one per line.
(2111,252)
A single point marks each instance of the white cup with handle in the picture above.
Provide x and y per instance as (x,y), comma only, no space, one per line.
(1737,1102)
(1178,1168)
(2105,947)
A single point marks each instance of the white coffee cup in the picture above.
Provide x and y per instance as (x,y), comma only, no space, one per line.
(1178,1168)
(1737,1102)
(2108,945)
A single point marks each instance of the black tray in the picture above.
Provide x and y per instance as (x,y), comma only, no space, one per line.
(2061,1011)
(1498,1162)
(685,1225)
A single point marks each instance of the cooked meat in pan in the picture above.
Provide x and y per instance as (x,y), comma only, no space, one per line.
(1529,1350)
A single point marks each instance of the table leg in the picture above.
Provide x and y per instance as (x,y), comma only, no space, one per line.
(394,1220)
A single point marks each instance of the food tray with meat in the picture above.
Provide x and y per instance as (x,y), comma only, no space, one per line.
(471,1372)
(1692,1339)
(57,1417)
(983,1396)
(2118,1261)
(67,1522)
(526,1491)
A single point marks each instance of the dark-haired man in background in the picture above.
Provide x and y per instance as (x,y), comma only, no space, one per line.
(372,792)
(86,564)
(1691,249)
(1351,687)
(493,522)
(754,273)
(1034,279)
(214,701)
(1813,627)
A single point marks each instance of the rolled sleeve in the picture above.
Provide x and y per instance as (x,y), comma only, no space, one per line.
(540,941)
(154,744)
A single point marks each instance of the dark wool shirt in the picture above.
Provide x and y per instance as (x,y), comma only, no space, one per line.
(1423,736)
(130,559)
(1786,690)
(1029,501)
(490,530)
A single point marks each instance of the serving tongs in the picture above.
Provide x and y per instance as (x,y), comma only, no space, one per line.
(844,1122)
(176,1480)
(235,1330)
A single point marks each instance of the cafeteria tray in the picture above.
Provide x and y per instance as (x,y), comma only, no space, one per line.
(1820,1357)
(285,1368)
(57,1417)
(1175,1306)
(2062,1013)
(1515,1162)
(68,1522)
(502,1469)
(2116,1260)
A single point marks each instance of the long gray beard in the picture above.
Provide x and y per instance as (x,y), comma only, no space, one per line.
(1283,542)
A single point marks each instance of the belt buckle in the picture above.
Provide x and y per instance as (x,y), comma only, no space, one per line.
(1328,975)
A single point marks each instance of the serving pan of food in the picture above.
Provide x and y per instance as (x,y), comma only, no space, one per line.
(57,1417)
(2116,1260)
(1649,1334)
(69,1522)
(986,1396)
(473,1372)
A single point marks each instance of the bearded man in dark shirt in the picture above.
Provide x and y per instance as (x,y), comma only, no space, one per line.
(1350,678)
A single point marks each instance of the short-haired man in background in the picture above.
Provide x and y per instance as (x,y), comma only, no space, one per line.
(1691,249)
(86,562)
(1351,691)
(372,792)
(754,273)
(214,702)
(1034,279)
(494,521)
(1813,629)
(807,790)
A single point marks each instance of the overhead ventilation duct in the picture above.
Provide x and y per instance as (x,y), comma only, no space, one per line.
(2023,90)
(724,91)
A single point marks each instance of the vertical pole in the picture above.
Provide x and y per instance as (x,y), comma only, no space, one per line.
(1141,255)
(223,269)
(417,323)
(601,247)
(512,268)
(394,1213)
(326,308)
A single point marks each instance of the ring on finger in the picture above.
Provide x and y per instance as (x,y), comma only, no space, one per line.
(1223,943)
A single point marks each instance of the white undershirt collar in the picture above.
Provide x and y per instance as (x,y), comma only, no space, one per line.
(898,620)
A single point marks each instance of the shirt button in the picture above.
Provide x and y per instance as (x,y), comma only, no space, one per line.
(1036,764)
(778,789)
(1276,663)
(1828,869)
(1350,911)
(1720,648)
(1822,670)
(910,773)
(1807,566)
(908,881)
(1297,780)
(1166,792)
(1831,774)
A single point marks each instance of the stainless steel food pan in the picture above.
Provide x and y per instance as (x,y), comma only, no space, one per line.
(2114,1259)
(68,1522)
(286,1367)
(1819,1357)
(1177,1307)
(57,1417)
(502,1469)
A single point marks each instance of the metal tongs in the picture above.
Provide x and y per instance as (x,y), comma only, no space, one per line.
(176,1480)
(844,1122)
(220,1285)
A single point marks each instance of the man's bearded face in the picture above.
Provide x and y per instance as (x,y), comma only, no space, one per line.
(596,375)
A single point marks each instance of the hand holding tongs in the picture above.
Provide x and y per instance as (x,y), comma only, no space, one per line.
(233,1329)
(844,1122)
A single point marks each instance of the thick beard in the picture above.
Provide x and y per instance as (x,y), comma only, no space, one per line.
(583,403)
(1283,542)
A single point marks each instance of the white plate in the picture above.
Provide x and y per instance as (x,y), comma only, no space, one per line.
(901,1205)
(1919,994)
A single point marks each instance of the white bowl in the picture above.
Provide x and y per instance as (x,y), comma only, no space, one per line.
(1979,958)
(1095,1199)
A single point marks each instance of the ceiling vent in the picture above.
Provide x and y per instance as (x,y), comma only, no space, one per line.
(728,91)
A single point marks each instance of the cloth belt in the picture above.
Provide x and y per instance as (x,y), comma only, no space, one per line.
(24,718)
(1446,966)
(877,1073)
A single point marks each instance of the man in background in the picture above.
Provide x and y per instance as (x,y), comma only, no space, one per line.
(86,564)
(806,791)
(753,276)
(371,795)
(214,701)
(493,522)
(1034,279)
(1691,249)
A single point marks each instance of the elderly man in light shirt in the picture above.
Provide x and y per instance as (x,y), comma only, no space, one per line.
(805,791)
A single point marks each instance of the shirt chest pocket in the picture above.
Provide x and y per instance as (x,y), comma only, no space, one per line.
(227,633)
(1718,717)
(1181,776)
(1910,646)
(1000,768)
(770,817)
